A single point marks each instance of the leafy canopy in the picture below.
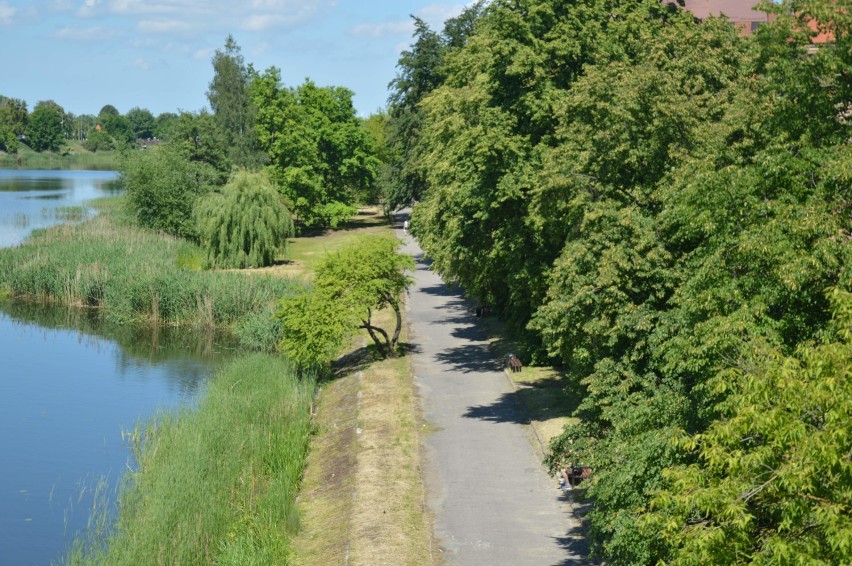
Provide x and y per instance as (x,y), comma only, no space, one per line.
(349,286)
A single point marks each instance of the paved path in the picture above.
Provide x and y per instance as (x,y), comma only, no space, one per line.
(492,500)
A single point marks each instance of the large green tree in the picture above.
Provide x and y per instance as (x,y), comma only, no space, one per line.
(44,128)
(141,122)
(231,103)
(320,156)
(13,122)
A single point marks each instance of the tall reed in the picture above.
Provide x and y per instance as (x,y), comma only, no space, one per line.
(215,485)
(132,274)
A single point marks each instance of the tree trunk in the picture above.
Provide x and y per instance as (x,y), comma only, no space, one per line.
(371,330)
(396,331)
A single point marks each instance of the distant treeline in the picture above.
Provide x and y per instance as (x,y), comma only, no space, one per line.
(661,206)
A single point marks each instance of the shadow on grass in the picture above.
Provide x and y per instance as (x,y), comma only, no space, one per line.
(365,356)
(540,400)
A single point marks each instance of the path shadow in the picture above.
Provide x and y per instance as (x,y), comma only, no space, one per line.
(507,409)
(575,541)
(470,358)
(541,400)
(440,290)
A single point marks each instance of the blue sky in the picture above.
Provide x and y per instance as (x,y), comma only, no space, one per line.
(156,53)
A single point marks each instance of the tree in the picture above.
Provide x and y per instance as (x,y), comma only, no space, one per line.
(163,187)
(770,483)
(13,122)
(320,157)
(365,276)
(244,225)
(197,139)
(230,100)
(141,122)
(644,198)
(164,123)
(117,127)
(44,131)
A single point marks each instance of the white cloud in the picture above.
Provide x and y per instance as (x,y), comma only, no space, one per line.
(160,26)
(383,29)
(204,54)
(96,33)
(436,14)
(207,15)
(7,13)
(142,64)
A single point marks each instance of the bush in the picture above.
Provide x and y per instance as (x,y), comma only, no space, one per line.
(245,226)
(163,187)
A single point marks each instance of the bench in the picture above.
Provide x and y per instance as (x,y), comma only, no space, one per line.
(514,363)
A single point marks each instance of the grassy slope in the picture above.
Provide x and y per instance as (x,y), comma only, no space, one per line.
(72,156)
(216,485)
(362,498)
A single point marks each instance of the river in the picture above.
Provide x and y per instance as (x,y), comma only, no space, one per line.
(70,386)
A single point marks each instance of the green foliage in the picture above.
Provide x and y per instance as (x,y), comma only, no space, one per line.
(163,186)
(366,275)
(645,197)
(319,153)
(197,139)
(163,124)
(115,125)
(771,480)
(44,128)
(231,103)
(218,484)
(13,122)
(141,123)
(246,225)
(98,141)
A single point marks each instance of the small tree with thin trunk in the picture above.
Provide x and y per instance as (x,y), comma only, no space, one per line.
(350,286)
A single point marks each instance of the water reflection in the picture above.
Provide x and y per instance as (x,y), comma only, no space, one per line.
(29,199)
(70,383)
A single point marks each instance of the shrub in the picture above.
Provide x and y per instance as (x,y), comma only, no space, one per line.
(163,187)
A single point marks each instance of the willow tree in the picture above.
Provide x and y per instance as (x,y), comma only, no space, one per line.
(246,225)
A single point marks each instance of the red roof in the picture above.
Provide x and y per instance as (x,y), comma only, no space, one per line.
(742,14)
(736,10)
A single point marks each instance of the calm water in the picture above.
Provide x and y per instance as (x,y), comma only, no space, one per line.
(70,385)
(38,199)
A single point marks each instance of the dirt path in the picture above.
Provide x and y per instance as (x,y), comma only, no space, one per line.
(492,500)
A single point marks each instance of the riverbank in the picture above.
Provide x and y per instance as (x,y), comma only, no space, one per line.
(216,484)
(133,275)
(138,277)
(72,156)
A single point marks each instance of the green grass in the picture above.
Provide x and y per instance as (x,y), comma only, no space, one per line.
(71,156)
(216,485)
(132,274)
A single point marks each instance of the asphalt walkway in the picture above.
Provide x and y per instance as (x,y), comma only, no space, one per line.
(492,500)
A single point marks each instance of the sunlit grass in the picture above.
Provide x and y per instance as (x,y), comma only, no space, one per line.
(217,484)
